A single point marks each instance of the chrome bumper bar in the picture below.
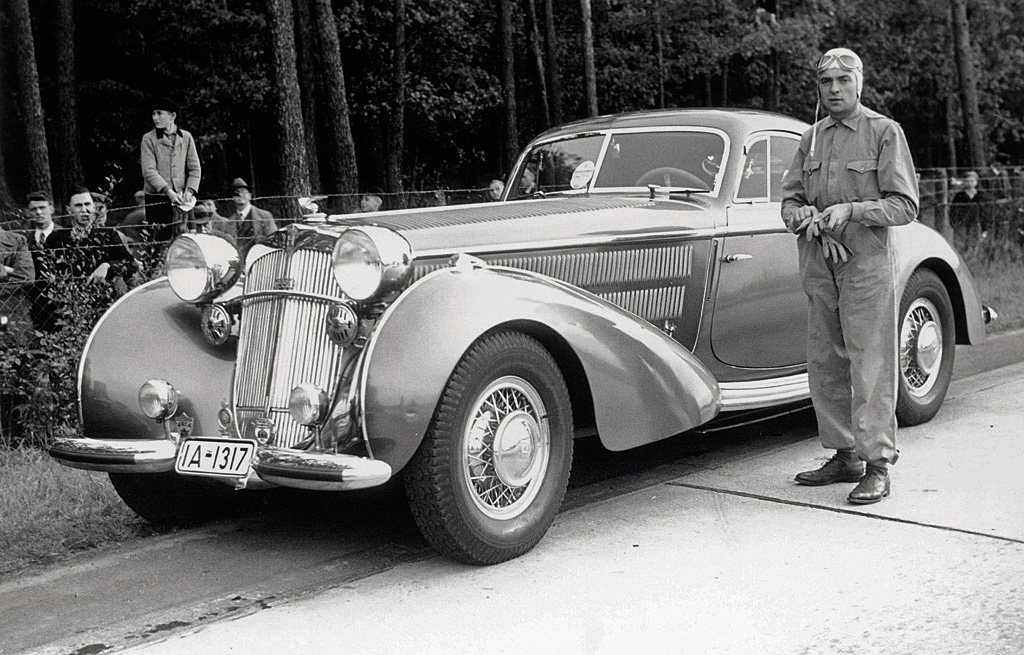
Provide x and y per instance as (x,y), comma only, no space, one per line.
(116,455)
(319,471)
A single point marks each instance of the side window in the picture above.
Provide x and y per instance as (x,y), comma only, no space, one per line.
(754,176)
(783,149)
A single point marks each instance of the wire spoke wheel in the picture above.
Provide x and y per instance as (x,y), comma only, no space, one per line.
(921,346)
(507,446)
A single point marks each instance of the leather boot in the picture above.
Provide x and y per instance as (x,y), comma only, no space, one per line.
(843,467)
(873,487)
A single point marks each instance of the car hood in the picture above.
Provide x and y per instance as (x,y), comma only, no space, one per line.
(548,223)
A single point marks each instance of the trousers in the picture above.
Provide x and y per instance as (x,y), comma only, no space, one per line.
(851,342)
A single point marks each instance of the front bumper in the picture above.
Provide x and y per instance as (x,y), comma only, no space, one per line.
(319,471)
(116,455)
(280,466)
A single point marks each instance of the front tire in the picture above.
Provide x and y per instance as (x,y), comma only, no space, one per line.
(927,341)
(488,478)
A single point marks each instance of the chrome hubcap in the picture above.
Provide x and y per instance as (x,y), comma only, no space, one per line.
(507,446)
(921,347)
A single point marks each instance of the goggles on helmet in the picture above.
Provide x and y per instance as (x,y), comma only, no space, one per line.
(844,60)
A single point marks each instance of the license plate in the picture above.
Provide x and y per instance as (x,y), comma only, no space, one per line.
(227,457)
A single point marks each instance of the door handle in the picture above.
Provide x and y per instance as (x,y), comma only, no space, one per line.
(738,257)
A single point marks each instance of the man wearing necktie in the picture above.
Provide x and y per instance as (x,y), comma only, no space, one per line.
(171,171)
(252,224)
(40,212)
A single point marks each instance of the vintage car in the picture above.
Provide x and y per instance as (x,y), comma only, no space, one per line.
(635,283)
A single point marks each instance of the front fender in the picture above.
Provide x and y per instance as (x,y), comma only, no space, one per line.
(150,333)
(644,385)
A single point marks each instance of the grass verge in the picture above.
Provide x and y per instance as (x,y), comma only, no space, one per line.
(48,511)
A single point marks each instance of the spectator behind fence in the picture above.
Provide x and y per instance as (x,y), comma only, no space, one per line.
(252,225)
(171,171)
(87,250)
(17,274)
(495,189)
(965,211)
(40,212)
(206,220)
(370,203)
(102,204)
(132,226)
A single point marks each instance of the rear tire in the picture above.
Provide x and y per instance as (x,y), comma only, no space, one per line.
(927,347)
(488,478)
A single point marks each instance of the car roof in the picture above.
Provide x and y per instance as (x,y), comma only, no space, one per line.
(729,120)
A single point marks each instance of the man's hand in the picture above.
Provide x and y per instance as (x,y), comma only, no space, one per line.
(5,270)
(100,274)
(801,217)
(173,196)
(833,217)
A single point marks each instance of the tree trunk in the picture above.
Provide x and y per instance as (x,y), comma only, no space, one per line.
(294,173)
(30,104)
(508,84)
(951,112)
(69,161)
(344,175)
(396,117)
(968,84)
(589,71)
(724,97)
(554,79)
(538,59)
(659,51)
(307,43)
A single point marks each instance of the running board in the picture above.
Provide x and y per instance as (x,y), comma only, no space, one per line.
(759,394)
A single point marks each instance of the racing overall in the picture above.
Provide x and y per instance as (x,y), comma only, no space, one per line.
(852,354)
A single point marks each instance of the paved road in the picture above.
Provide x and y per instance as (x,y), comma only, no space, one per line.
(697,545)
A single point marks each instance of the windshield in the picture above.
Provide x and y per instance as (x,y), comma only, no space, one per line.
(558,166)
(689,160)
(676,159)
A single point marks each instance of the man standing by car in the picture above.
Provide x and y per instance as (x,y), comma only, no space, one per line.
(851,180)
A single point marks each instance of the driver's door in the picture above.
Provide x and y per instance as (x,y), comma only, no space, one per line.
(760,315)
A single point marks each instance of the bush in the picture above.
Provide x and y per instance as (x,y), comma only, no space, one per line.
(39,369)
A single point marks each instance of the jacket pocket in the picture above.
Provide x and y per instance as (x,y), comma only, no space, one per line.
(862,178)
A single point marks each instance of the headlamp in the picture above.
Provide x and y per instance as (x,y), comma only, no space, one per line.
(371,261)
(158,399)
(201,266)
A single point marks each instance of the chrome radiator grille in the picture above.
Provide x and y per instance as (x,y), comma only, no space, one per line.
(282,340)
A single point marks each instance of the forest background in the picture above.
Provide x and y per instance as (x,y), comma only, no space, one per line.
(397,96)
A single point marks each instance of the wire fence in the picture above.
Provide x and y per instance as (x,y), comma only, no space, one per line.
(50,319)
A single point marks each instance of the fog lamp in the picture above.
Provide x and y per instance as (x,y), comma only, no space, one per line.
(307,404)
(158,399)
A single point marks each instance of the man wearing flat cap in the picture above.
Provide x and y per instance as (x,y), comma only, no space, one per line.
(170,170)
(252,224)
(852,181)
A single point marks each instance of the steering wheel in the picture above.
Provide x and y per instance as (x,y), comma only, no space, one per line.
(669,176)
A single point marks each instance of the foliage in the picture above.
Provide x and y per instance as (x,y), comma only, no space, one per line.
(213,58)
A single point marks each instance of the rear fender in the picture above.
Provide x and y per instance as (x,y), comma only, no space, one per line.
(945,262)
(644,385)
(150,333)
